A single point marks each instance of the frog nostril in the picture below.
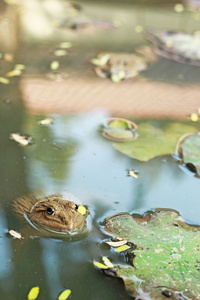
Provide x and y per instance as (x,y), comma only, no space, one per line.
(50,210)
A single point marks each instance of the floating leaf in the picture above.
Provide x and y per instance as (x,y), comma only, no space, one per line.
(47,121)
(118,77)
(15,72)
(119,129)
(155,138)
(194,117)
(82,210)
(8,56)
(60,52)
(21,139)
(166,255)
(188,148)
(15,234)
(116,244)
(178,7)
(139,28)
(179,46)
(4,80)
(100,265)
(107,262)
(64,295)
(65,45)
(32,295)
(122,248)
(19,67)
(102,60)
(54,65)
(132,173)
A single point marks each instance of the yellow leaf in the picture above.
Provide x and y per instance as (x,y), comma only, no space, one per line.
(13,73)
(11,2)
(194,117)
(118,77)
(101,61)
(100,265)
(178,7)
(82,210)
(60,52)
(65,45)
(4,80)
(19,67)
(32,295)
(15,234)
(64,295)
(107,262)
(139,28)
(122,248)
(54,65)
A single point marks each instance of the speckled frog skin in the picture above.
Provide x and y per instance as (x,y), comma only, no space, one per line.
(52,214)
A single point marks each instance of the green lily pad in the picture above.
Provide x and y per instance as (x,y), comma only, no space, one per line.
(165,259)
(118,129)
(155,138)
(189,150)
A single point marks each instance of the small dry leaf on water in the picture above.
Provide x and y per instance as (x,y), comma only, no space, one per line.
(21,139)
(32,295)
(194,117)
(4,80)
(15,234)
(13,73)
(60,52)
(132,173)
(116,244)
(65,45)
(107,262)
(17,71)
(64,295)
(47,121)
(8,56)
(54,65)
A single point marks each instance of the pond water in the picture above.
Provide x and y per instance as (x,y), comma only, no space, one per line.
(71,156)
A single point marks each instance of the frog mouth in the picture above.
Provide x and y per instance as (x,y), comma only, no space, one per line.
(64,232)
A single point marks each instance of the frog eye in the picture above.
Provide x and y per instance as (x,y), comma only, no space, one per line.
(76,206)
(50,210)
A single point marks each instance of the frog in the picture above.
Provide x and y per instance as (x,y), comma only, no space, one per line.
(52,214)
(121,66)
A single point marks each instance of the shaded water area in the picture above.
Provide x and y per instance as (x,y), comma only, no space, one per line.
(71,156)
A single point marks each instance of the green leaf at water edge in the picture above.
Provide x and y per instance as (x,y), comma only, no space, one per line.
(190,151)
(165,257)
(155,138)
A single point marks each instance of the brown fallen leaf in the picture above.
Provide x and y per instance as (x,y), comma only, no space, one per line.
(132,173)
(116,244)
(21,139)
(47,121)
(15,234)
